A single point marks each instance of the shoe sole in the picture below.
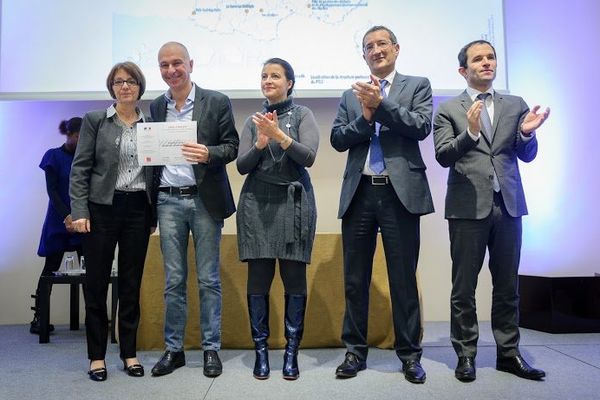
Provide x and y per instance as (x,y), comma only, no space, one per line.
(153,373)
(411,380)
(344,375)
(531,378)
(464,378)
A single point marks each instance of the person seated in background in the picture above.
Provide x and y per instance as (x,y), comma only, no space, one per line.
(58,235)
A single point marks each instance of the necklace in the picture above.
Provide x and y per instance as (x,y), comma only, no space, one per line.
(288,126)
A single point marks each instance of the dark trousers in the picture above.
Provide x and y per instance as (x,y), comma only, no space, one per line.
(127,223)
(373,208)
(501,234)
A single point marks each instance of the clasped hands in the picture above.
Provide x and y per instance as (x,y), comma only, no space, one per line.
(533,120)
(267,127)
(81,225)
(369,96)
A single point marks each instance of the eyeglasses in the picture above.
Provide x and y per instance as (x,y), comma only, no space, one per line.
(129,82)
(382,45)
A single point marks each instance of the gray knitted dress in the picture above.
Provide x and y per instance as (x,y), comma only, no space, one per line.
(276,215)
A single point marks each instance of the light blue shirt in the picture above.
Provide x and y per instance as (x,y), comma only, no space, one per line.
(179,175)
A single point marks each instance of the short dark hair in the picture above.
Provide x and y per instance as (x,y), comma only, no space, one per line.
(70,127)
(380,28)
(287,69)
(462,54)
(133,70)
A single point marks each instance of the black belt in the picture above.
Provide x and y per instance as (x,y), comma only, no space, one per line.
(376,180)
(179,191)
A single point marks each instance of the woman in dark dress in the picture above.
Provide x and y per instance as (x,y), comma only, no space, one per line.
(58,235)
(276,216)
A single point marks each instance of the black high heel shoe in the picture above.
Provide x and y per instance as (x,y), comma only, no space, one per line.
(98,374)
(135,370)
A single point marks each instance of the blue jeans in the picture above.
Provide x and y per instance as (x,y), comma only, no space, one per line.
(177,216)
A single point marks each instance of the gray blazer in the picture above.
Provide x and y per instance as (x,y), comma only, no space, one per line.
(216,130)
(96,163)
(472,163)
(405,116)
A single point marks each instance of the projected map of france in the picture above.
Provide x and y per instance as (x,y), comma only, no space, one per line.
(229,40)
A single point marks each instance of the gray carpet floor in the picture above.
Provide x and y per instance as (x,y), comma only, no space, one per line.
(57,370)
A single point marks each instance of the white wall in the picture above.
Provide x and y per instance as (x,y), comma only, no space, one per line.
(546,65)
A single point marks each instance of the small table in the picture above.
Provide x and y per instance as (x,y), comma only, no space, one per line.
(74,281)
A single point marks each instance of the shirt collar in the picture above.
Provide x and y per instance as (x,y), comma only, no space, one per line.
(189,99)
(389,78)
(473,93)
(112,111)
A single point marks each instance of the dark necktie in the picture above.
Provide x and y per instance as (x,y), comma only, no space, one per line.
(486,127)
(376,163)
(486,122)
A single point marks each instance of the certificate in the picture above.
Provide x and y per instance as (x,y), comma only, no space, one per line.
(159,143)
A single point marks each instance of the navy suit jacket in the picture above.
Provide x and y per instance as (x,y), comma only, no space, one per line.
(472,163)
(216,130)
(405,118)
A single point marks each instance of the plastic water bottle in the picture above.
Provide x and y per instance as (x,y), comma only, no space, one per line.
(69,264)
(114,270)
(82,264)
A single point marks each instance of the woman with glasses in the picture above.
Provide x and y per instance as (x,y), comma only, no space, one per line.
(111,205)
(276,215)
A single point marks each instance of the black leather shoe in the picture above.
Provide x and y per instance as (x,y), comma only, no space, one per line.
(465,370)
(170,361)
(350,367)
(519,367)
(212,364)
(413,372)
(98,374)
(135,370)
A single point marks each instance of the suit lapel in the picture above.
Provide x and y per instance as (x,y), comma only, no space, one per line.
(198,105)
(397,85)
(162,110)
(465,101)
(498,104)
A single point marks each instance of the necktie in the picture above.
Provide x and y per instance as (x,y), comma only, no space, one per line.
(486,122)
(376,162)
(486,125)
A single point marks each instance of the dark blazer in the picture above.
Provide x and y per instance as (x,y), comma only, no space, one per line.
(405,117)
(472,163)
(216,130)
(96,163)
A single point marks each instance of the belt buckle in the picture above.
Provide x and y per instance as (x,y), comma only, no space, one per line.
(185,191)
(379,180)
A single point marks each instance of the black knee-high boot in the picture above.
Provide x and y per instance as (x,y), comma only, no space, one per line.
(258,309)
(295,306)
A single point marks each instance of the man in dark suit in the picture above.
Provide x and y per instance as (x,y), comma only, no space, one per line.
(479,135)
(193,197)
(380,124)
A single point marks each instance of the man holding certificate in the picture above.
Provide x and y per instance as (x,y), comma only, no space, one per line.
(195,196)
